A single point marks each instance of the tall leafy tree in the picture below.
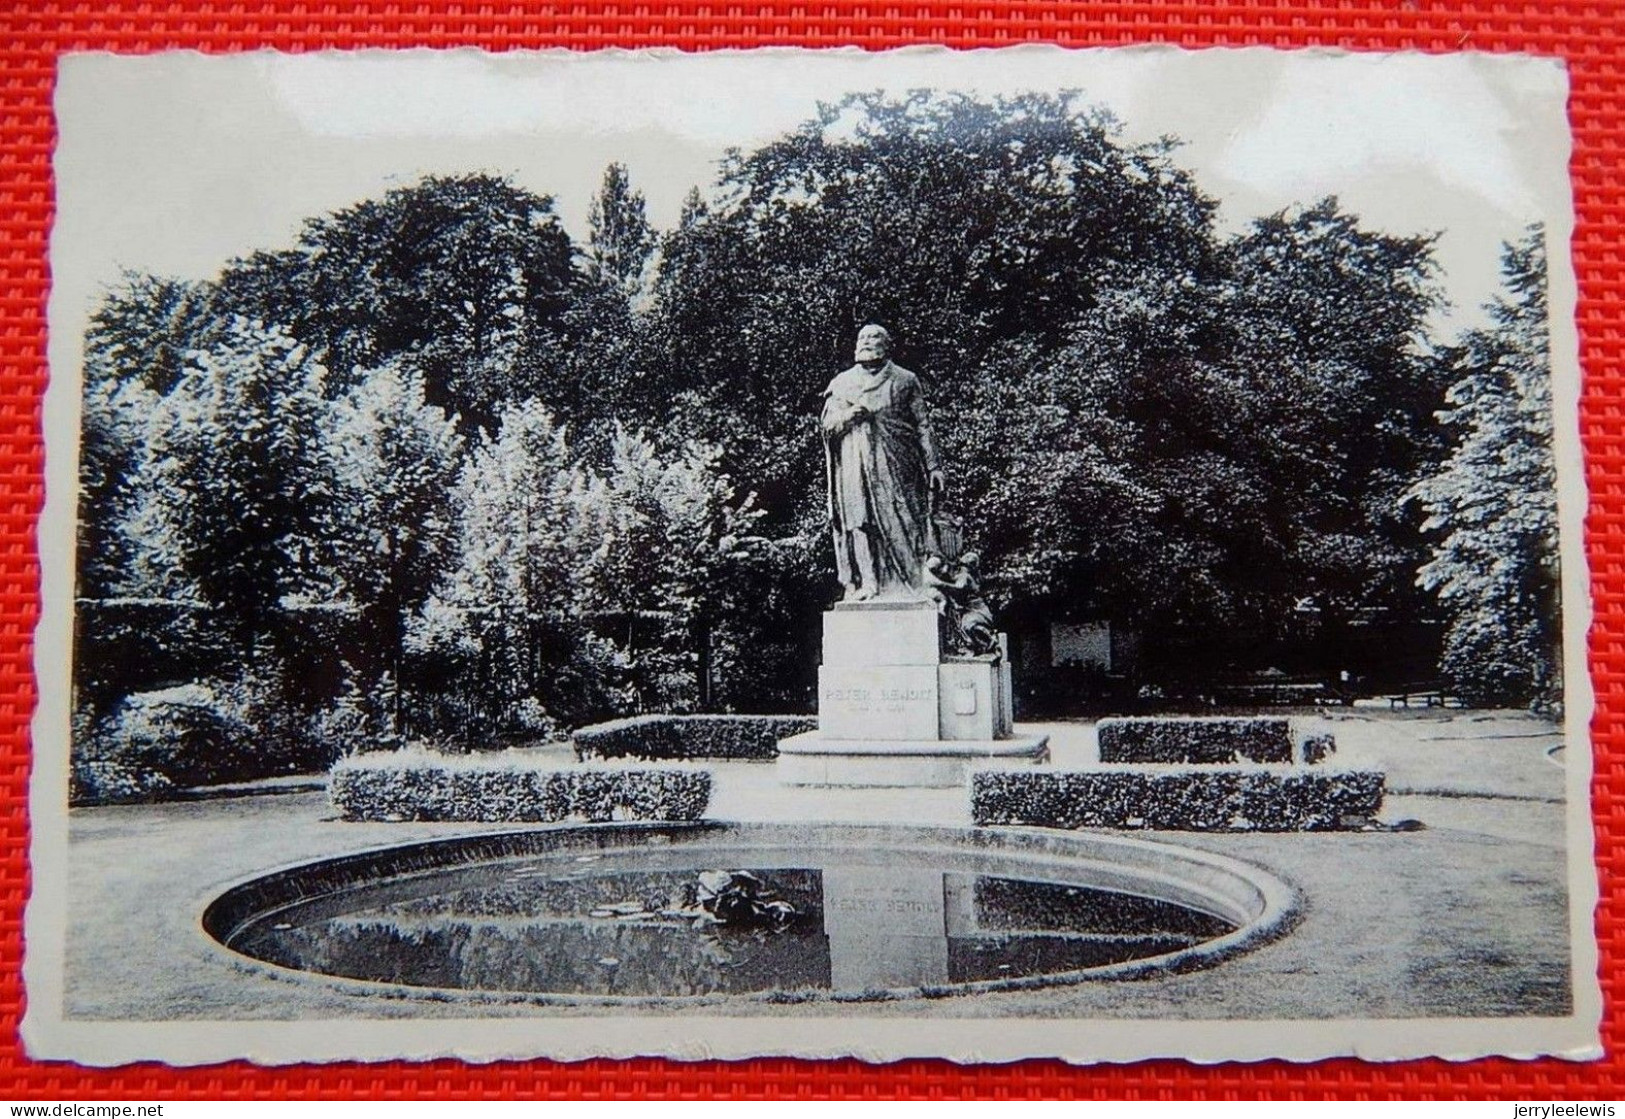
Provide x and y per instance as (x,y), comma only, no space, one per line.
(958,223)
(1493,507)
(1331,332)
(619,237)
(135,351)
(221,526)
(1215,452)
(465,275)
(680,542)
(505,619)
(391,524)
(601,350)
(238,482)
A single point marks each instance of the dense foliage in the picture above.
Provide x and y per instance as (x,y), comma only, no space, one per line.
(1493,507)
(437,472)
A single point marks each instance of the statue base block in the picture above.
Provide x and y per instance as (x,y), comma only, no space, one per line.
(812,759)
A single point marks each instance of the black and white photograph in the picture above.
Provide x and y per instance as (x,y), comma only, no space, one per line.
(1000,554)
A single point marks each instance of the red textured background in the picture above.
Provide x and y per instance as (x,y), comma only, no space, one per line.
(1590,36)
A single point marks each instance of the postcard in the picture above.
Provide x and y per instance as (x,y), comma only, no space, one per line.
(981,555)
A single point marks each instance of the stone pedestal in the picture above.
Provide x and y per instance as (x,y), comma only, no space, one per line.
(892,710)
(974,699)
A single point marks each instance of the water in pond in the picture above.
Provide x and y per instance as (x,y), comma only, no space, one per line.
(717,921)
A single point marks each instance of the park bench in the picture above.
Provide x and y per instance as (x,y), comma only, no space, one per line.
(1429,693)
(1267,690)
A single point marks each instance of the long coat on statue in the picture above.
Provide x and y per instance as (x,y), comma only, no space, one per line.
(879,455)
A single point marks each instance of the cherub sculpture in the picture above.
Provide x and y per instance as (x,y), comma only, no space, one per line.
(955,587)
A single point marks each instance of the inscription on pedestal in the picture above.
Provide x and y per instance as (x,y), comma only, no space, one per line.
(882,702)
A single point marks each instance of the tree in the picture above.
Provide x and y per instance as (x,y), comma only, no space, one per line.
(140,621)
(679,540)
(237,480)
(1493,506)
(619,239)
(135,351)
(1202,451)
(390,525)
(1331,330)
(960,224)
(220,528)
(600,351)
(466,275)
(505,620)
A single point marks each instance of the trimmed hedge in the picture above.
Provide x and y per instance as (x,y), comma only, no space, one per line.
(1170,798)
(681,737)
(510,789)
(1223,740)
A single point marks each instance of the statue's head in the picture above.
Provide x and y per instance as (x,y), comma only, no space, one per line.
(874,344)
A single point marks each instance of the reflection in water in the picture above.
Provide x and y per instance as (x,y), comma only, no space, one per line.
(554,927)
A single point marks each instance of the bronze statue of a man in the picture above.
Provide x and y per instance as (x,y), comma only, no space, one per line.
(882,471)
